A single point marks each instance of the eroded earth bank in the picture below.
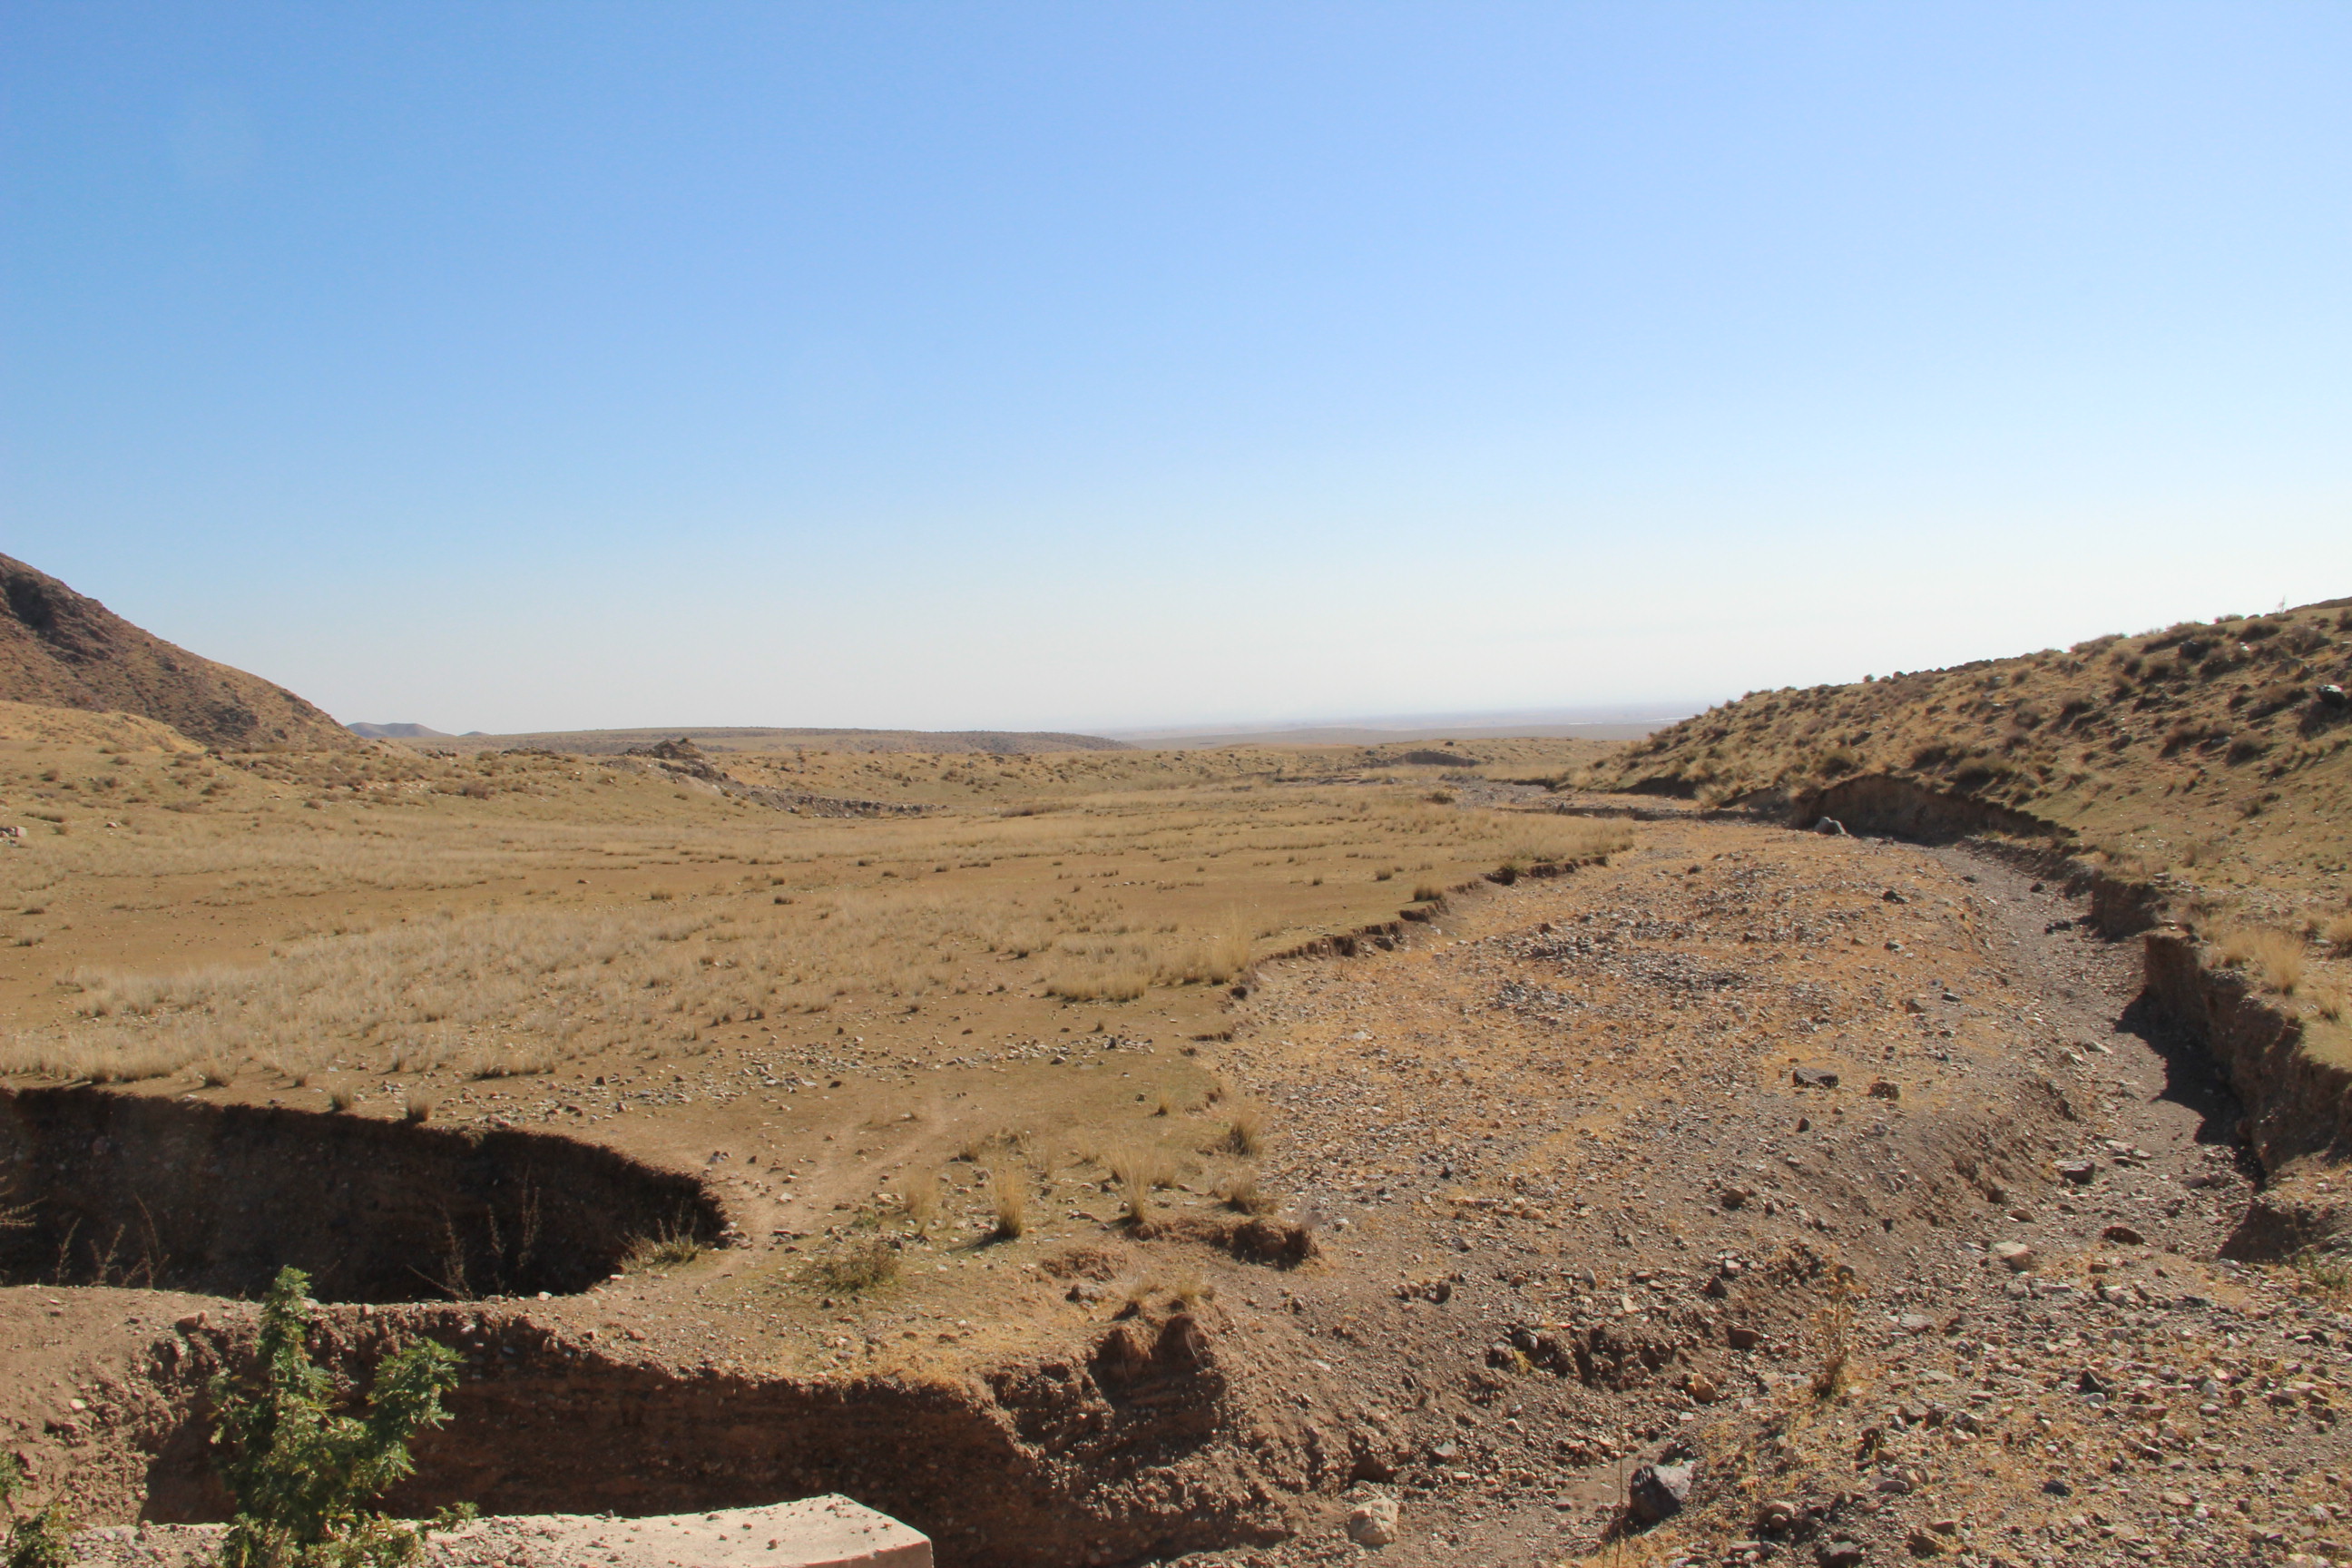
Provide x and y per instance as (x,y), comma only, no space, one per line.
(1852,1175)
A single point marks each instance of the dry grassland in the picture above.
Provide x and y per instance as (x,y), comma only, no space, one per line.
(271,926)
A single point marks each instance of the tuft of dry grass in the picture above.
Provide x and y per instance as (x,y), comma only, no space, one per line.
(339,1097)
(1245,1133)
(918,1202)
(1008,1194)
(1138,1171)
(1241,1193)
(1836,1320)
(509,1061)
(2338,933)
(2275,956)
(418,1102)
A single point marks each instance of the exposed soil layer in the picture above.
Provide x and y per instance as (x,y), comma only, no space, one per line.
(179,1194)
(1904,809)
(1110,1453)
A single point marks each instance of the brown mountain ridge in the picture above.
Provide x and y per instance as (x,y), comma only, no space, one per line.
(64,649)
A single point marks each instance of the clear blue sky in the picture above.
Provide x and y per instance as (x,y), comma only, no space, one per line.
(505,366)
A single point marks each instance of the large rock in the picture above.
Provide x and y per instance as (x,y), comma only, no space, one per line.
(1658,1491)
(1373,1522)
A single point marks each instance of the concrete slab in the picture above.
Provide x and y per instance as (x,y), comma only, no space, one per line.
(814,1532)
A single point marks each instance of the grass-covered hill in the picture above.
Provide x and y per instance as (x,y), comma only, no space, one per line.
(2215,749)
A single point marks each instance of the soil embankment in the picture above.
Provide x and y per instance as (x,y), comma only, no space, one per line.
(176,1194)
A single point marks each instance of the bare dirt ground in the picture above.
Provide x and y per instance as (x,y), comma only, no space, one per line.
(1581,1194)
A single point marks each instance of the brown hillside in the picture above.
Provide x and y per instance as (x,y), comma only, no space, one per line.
(2217,750)
(63,650)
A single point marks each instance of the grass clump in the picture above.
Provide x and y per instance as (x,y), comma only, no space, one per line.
(2275,956)
(1138,1172)
(1830,1379)
(1008,1195)
(303,1475)
(671,1247)
(919,1204)
(865,1266)
(1244,1134)
(1243,1196)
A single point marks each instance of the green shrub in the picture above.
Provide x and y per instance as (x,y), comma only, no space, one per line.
(35,1540)
(866,1265)
(302,1473)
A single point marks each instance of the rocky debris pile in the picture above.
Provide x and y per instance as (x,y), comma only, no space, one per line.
(682,759)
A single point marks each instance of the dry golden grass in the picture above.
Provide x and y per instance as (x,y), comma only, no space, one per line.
(1241,1193)
(1008,1194)
(918,1202)
(2276,957)
(1107,897)
(2336,932)
(1245,1133)
(670,1246)
(859,1267)
(1140,1170)
(2214,750)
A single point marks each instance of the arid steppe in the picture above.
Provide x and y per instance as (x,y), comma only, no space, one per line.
(1245,1155)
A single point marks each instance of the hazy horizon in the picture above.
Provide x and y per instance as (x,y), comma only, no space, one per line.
(1053,367)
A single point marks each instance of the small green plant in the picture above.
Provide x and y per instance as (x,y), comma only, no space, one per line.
(2325,1273)
(671,1247)
(38,1540)
(302,1473)
(864,1266)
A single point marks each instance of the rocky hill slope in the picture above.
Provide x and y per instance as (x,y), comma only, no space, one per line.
(63,650)
(2217,750)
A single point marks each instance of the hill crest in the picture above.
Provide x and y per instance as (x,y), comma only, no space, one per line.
(59,649)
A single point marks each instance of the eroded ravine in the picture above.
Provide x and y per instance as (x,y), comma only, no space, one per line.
(1577,1209)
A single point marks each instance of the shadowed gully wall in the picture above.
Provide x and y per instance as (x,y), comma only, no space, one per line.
(139,1190)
